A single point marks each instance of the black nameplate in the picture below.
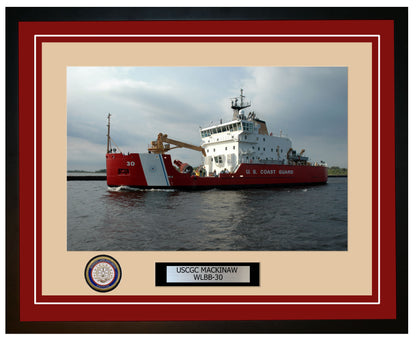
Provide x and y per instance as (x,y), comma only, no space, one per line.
(207,274)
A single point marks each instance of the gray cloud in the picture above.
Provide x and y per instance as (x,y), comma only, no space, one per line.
(307,103)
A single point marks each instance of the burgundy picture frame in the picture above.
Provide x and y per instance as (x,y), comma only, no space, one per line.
(385,311)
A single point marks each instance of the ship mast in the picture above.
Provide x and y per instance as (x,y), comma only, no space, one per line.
(108,133)
(237,106)
(110,142)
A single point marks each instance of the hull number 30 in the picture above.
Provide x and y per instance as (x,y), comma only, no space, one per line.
(131,163)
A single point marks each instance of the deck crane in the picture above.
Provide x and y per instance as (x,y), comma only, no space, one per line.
(158,146)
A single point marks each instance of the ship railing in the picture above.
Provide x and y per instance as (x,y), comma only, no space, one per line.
(319,164)
(271,162)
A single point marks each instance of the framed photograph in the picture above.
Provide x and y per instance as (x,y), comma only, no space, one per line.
(206,170)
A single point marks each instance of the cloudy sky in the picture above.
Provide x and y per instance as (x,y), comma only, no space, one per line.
(309,104)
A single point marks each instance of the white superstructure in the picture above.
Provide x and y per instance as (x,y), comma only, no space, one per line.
(245,139)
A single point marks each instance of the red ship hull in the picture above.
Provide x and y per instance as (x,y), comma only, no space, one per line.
(157,171)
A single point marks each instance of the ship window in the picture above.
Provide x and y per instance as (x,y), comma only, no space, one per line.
(250,127)
(272,149)
(233,147)
(245,137)
(264,139)
(253,147)
(123,171)
(264,148)
(239,126)
(207,150)
(226,148)
(258,148)
(257,139)
(214,150)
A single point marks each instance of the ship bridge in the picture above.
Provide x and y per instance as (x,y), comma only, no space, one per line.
(245,139)
(232,126)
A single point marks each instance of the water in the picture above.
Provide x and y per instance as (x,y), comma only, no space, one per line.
(310,218)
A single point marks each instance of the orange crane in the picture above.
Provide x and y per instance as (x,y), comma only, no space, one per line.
(159,147)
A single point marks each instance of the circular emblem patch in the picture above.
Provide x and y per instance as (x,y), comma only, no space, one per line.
(103,273)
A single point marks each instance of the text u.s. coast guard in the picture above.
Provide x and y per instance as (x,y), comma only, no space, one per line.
(269,171)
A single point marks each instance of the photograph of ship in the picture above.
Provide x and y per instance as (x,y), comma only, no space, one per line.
(264,168)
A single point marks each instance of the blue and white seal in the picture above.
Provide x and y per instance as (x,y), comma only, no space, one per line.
(103,273)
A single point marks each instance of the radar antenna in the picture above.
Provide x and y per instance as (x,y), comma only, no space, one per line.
(237,106)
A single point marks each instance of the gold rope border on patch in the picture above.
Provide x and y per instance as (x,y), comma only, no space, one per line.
(92,262)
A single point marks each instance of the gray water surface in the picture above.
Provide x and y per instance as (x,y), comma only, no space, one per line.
(304,218)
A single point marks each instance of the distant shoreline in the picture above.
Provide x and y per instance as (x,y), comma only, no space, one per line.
(85,177)
(332,172)
(95,172)
(104,177)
